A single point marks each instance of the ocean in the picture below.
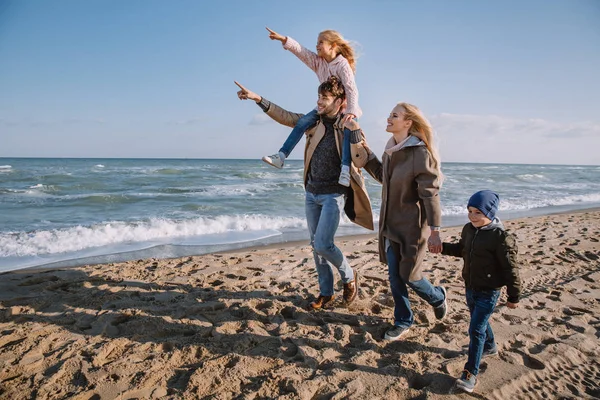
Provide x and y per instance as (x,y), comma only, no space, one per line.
(65,212)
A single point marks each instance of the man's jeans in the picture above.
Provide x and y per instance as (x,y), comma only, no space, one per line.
(403,315)
(481,305)
(323,217)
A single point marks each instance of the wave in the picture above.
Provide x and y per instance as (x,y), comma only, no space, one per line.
(531,177)
(43,188)
(118,232)
(168,171)
(528,203)
(37,192)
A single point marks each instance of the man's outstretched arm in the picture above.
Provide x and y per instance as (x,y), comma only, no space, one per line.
(280,115)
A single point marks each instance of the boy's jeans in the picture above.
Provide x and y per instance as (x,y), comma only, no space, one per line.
(305,123)
(323,218)
(403,315)
(481,305)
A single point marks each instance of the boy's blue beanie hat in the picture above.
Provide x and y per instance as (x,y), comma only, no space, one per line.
(485,201)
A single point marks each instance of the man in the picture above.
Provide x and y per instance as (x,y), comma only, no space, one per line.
(325,197)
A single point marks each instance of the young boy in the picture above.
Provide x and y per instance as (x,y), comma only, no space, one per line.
(490,262)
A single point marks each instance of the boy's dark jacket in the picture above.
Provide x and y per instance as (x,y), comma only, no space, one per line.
(490,258)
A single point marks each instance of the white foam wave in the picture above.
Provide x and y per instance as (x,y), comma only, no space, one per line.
(454,210)
(41,186)
(111,233)
(35,191)
(98,166)
(529,204)
(5,166)
(531,177)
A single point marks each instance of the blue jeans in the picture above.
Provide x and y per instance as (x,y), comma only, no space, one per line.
(481,305)
(323,217)
(403,315)
(346,156)
(305,123)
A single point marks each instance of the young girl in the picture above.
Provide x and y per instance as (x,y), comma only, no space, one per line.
(490,262)
(334,57)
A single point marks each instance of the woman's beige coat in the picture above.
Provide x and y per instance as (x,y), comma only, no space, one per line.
(410,203)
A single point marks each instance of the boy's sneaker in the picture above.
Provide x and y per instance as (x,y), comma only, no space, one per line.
(490,352)
(467,381)
(395,333)
(441,310)
(275,160)
(344,176)
(322,302)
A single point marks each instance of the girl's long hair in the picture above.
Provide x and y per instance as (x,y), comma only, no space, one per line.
(344,46)
(422,129)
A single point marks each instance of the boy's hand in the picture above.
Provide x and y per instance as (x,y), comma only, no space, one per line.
(246,94)
(276,36)
(512,305)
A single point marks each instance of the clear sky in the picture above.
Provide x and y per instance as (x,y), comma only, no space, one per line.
(501,81)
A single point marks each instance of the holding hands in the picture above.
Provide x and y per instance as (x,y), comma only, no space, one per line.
(276,36)
(434,243)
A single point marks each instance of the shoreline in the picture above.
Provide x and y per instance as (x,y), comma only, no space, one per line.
(235,324)
(74,263)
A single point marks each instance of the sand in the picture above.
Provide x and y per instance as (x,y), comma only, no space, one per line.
(236,326)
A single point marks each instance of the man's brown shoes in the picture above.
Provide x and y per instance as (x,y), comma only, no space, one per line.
(322,302)
(350,292)
(351,289)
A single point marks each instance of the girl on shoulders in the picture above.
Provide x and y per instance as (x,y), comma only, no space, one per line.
(335,57)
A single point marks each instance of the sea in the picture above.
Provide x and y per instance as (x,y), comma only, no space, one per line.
(58,212)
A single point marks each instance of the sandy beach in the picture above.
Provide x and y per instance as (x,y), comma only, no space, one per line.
(236,326)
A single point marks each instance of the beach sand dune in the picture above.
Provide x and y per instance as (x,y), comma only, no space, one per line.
(236,326)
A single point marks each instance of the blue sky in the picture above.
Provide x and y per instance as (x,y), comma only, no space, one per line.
(504,81)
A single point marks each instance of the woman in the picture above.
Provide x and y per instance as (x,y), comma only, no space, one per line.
(410,210)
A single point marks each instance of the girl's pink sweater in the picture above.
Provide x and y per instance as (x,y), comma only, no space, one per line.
(338,67)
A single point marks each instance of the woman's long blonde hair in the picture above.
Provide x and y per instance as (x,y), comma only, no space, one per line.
(345,49)
(422,129)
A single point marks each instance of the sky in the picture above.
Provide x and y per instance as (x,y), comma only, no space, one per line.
(512,81)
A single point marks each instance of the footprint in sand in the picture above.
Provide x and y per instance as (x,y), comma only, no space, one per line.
(528,360)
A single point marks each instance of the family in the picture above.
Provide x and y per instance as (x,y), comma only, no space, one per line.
(335,154)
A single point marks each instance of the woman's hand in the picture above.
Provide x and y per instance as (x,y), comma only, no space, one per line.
(276,36)
(434,243)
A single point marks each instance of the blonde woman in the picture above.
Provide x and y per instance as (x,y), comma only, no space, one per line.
(335,57)
(410,216)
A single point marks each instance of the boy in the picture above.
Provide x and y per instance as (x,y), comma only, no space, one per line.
(490,262)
